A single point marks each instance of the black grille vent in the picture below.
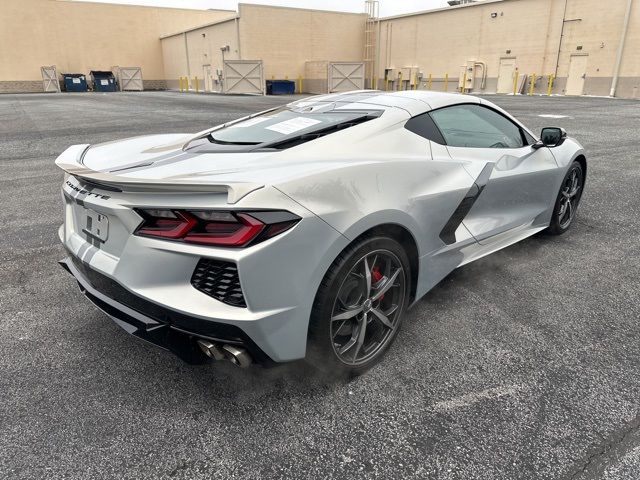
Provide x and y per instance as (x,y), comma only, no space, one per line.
(219,280)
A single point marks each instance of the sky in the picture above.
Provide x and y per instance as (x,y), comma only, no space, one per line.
(387,7)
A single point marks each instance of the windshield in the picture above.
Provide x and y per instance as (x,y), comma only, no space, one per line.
(279,124)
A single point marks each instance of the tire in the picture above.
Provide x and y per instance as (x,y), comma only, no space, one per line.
(343,292)
(568,200)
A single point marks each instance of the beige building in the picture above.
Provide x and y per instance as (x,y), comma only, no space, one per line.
(489,46)
(78,37)
(575,40)
(290,42)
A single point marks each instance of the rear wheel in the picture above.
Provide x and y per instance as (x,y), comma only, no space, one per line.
(359,306)
(568,200)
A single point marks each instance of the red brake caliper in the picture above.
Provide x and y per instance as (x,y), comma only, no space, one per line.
(376,276)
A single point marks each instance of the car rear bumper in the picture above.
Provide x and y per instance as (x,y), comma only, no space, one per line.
(154,323)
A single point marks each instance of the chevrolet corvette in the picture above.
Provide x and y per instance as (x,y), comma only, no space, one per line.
(307,231)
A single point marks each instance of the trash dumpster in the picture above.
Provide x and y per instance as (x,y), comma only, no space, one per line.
(281,87)
(103,81)
(74,82)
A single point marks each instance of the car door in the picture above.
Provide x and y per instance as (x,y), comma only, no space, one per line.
(516,182)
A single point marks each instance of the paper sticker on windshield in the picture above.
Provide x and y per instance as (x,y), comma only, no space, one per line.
(293,125)
(250,122)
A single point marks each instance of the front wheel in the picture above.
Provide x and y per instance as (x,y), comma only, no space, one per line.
(568,200)
(359,306)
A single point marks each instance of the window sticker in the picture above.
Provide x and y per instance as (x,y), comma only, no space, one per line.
(293,125)
(250,123)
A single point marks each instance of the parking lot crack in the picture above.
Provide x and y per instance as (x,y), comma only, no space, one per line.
(614,447)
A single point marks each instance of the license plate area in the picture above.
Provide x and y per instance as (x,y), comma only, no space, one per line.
(95,224)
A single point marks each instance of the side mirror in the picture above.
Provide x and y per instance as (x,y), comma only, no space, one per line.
(551,137)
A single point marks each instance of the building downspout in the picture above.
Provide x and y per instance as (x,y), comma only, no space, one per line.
(564,20)
(378,48)
(186,52)
(623,37)
(238,38)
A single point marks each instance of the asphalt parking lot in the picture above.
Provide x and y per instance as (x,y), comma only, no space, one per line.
(522,365)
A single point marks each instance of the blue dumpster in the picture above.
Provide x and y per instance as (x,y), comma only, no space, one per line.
(74,82)
(281,87)
(103,81)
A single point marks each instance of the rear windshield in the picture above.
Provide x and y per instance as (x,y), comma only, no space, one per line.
(280,124)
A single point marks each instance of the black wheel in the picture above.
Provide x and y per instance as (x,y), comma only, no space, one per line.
(359,306)
(568,200)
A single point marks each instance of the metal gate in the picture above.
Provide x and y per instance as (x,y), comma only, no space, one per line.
(345,76)
(243,76)
(50,81)
(130,78)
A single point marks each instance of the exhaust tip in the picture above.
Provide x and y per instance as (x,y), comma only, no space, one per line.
(236,355)
(211,350)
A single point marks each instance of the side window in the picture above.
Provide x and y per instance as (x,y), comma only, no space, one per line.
(477,127)
(423,125)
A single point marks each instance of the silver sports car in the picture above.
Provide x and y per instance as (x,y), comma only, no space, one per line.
(307,231)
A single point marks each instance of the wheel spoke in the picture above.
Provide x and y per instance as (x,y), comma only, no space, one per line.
(382,317)
(348,345)
(367,276)
(338,329)
(347,314)
(569,210)
(386,286)
(361,334)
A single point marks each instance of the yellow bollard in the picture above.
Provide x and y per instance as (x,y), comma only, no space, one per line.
(429,83)
(550,87)
(400,81)
(197,84)
(516,75)
(464,81)
(446,82)
(299,83)
(532,84)
(375,82)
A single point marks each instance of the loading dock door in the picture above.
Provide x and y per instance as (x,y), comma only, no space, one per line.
(577,74)
(131,79)
(50,81)
(505,75)
(345,76)
(243,76)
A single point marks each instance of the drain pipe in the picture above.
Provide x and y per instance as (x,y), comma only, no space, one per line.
(623,37)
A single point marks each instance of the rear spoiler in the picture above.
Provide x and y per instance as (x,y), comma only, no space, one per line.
(71,162)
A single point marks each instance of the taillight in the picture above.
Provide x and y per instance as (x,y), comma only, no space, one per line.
(213,227)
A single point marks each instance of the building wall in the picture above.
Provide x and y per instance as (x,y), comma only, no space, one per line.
(286,38)
(197,54)
(291,42)
(78,37)
(440,42)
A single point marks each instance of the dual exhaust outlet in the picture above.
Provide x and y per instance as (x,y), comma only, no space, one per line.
(236,355)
